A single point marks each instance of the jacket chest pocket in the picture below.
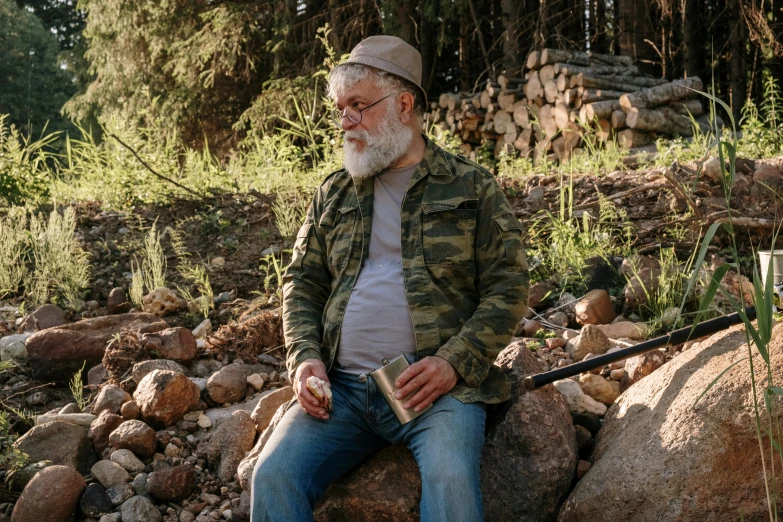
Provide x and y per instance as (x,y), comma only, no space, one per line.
(449,234)
(339,226)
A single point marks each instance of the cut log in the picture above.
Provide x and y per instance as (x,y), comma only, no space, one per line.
(522,143)
(692,107)
(533,60)
(663,120)
(618,83)
(561,115)
(603,131)
(511,133)
(571,95)
(611,59)
(632,138)
(446,98)
(597,70)
(506,99)
(661,94)
(618,120)
(595,95)
(466,149)
(451,117)
(520,114)
(562,82)
(552,56)
(601,110)
(501,119)
(550,91)
(546,73)
(493,88)
(476,101)
(547,121)
(533,87)
(486,99)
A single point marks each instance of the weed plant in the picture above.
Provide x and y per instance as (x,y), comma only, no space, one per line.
(77,388)
(194,274)
(289,211)
(13,249)
(25,177)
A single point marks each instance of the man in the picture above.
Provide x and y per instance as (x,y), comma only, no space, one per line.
(408,250)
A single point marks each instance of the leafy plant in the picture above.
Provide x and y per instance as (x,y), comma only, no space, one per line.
(13,250)
(194,274)
(289,211)
(11,458)
(273,269)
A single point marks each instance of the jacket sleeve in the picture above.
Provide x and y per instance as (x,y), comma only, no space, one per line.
(502,285)
(306,288)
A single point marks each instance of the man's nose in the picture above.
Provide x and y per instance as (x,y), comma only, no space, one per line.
(347,124)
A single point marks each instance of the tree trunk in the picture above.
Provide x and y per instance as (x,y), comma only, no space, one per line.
(510,10)
(676,90)
(737,39)
(636,26)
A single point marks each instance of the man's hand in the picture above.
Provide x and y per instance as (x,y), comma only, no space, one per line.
(435,375)
(306,399)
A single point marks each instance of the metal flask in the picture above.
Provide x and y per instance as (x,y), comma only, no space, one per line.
(384,378)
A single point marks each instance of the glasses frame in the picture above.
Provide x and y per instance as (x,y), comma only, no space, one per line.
(338,115)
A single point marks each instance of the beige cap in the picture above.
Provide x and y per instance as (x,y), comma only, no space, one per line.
(390,54)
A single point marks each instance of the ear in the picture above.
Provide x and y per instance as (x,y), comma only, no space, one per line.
(406,101)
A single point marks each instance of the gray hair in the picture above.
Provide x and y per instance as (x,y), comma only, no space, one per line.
(345,75)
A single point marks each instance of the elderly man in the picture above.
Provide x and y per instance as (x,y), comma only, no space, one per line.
(408,250)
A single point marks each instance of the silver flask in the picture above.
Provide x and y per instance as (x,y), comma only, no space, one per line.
(384,378)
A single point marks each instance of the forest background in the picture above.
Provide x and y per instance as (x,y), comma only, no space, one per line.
(221,72)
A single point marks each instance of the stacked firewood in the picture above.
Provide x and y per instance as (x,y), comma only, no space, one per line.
(565,99)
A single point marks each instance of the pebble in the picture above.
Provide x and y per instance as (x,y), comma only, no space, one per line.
(109,473)
(218,261)
(120,493)
(38,398)
(255,381)
(127,459)
(140,484)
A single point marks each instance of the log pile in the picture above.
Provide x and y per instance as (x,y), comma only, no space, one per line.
(564,97)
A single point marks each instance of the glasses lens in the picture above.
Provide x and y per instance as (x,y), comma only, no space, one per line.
(353,114)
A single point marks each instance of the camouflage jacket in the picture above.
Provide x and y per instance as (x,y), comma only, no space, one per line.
(464,268)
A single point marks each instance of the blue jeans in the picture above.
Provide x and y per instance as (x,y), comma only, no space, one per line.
(304,454)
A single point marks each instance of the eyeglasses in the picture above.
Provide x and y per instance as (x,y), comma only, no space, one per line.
(352,113)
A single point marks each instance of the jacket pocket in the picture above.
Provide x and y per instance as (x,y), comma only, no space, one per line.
(511,234)
(449,233)
(339,226)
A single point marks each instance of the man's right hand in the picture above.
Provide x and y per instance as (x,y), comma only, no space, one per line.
(310,367)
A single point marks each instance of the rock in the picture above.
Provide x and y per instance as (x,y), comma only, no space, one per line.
(205,367)
(140,484)
(600,389)
(51,496)
(130,410)
(109,473)
(141,369)
(558,319)
(227,385)
(204,422)
(45,316)
(110,398)
(69,408)
(590,421)
(111,517)
(136,436)
(229,444)
(95,502)
(590,340)
(126,459)
(164,397)
(584,440)
(578,401)
(218,416)
(540,294)
(12,347)
(595,308)
(18,479)
(528,328)
(218,261)
(38,398)
(670,316)
(60,442)
(765,173)
(599,274)
(567,305)
(711,169)
(268,405)
(118,301)
(642,274)
(119,493)
(162,301)
(707,452)
(77,419)
(624,330)
(101,428)
(176,344)
(256,381)
(55,354)
(139,509)
(203,329)
(171,484)
(582,468)
(555,342)
(97,375)
(744,166)
(641,366)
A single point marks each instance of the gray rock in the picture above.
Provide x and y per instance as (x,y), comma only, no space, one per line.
(120,493)
(60,442)
(140,484)
(139,509)
(126,459)
(45,316)
(175,344)
(227,385)
(111,517)
(141,369)
(109,473)
(229,444)
(205,367)
(12,347)
(590,340)
(95,502)
(110,398)
(71,407)
(578,401)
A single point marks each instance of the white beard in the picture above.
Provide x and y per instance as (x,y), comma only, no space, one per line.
(386,145)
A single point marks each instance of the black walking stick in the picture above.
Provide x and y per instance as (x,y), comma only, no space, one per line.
(676,337)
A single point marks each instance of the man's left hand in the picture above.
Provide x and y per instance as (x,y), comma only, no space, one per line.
(434,375)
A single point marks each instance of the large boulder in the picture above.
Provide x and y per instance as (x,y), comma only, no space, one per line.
(60,442)
(230,443)
(51,496)
(57,353)
(268,405)
(663,457)
(529,460)
(164,397)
